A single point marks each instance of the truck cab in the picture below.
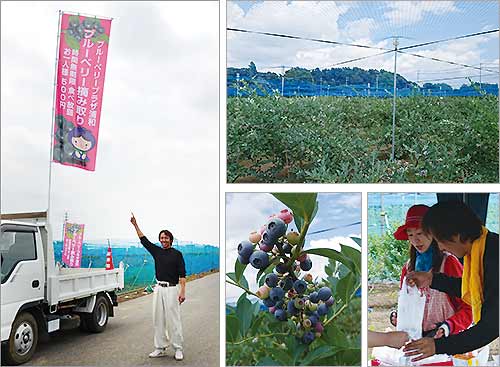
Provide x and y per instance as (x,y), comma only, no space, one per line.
(39,296)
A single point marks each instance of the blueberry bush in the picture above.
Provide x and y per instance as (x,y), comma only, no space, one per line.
(386,257)
(294,318)
(344,139)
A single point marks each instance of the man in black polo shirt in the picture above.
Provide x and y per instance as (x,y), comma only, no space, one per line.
(170,271)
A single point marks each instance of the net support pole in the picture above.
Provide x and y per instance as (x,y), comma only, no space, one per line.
(394,97)
(282,80)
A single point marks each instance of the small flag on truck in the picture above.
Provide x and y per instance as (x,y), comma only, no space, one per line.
(73,243)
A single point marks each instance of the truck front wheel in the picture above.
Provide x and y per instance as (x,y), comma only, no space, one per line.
(23,339)
(96,321)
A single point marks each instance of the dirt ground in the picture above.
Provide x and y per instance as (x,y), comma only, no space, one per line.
(382,298)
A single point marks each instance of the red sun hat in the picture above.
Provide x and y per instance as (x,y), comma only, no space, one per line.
(413,220)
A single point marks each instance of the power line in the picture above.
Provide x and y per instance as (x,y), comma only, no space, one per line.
(371,47)
(448,39)
(447,71)
(305,38)
(360,58)
(458,77)
(333,228)
(445,61)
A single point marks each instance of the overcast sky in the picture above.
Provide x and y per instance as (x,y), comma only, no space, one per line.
(158,140)
(247,212)
(371,23)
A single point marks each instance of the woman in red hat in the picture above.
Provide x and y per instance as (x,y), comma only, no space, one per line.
(443,314)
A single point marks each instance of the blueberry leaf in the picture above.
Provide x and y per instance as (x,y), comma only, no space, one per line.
(357,240)
(102,37)
(244,313)
(318,353)
(239,269)
(232,328)
(232,276)
(74,18)
(334,255)
(345,287)
(282,357)
(303,205)
(268,361)
(71,41)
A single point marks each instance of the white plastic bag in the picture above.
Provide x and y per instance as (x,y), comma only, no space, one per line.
(411,304)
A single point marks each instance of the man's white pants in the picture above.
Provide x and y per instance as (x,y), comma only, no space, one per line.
(167,318)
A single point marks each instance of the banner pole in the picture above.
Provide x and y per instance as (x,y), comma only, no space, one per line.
(53,114)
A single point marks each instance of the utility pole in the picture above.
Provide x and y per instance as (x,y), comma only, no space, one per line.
(376,84)
(328,90)
(282,79)
(237,84)
(368,89)
(480,75)
(396,43)
(346,79)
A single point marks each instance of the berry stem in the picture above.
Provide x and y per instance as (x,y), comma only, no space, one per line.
(258,336)
(341,308)
(242,287)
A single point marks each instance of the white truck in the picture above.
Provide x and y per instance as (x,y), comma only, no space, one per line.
(39,296)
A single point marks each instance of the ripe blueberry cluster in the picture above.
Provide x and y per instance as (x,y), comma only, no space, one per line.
(287,296)
(77,29)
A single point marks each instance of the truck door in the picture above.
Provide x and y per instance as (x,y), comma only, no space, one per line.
(22,270)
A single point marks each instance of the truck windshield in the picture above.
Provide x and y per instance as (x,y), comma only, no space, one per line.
(22,248)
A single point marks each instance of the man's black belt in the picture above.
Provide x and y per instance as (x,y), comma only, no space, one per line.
(166,284)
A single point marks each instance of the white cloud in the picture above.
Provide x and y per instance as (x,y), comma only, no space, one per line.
(292,18)
(361,28)
(412,12)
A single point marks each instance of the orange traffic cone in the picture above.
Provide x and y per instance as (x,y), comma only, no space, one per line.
(109,259)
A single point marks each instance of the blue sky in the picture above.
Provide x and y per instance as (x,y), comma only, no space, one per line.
(369,23)
(246,212)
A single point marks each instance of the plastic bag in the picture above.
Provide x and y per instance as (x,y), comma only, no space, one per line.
(411,304)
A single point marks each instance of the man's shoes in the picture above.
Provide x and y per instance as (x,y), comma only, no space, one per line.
(158,353)
(178,355)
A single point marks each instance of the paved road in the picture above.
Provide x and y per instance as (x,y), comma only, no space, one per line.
(128,338)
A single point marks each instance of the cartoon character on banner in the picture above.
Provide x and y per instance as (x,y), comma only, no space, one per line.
(82,141)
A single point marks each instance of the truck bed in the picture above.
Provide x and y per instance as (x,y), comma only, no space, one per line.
(68,283)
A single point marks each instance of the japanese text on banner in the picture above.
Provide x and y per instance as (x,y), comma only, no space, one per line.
(83,48)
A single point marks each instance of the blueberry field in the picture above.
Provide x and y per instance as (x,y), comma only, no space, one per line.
(294,317)
(348,139)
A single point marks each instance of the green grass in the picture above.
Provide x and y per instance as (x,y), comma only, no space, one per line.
(342,140)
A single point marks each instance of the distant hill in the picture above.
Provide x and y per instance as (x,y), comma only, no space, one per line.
(332,77)
(336,77)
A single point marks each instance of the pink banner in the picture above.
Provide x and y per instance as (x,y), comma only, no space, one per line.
(72,247)
(83,49)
